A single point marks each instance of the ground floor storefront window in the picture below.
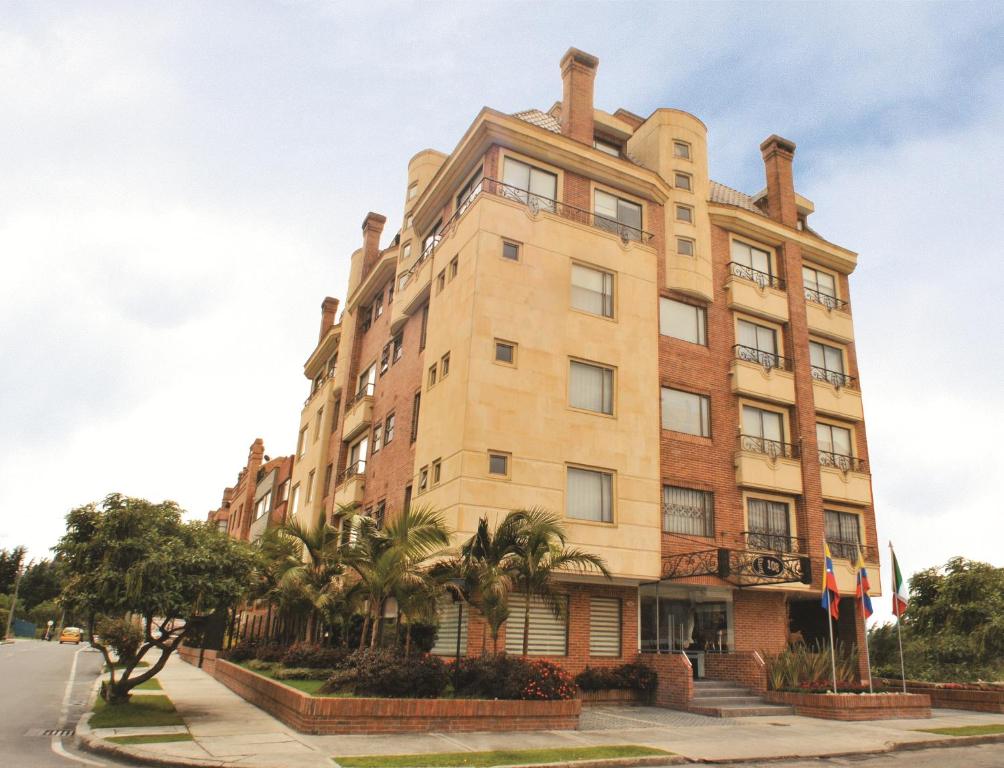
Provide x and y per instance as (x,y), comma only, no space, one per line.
(684,619)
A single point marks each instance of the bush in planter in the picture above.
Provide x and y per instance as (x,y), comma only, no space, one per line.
(312,655)
(242,651)
(513,677)
(301,673)
(270,652)
(378,672)
(638,677)
(597,679)
(258,665)
(626,677)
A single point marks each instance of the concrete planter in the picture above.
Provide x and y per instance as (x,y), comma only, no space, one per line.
(854,706)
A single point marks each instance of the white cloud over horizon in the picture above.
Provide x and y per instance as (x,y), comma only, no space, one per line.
(183,184)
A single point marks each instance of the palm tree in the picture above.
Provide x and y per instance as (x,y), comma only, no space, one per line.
(541,553)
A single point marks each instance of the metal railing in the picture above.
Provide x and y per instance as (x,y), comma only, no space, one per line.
(534,203)
(836,378)
(773,448)
(315,389)
(352,470)
(848,550)
(842,462)
(768,360)
(365,391)
(762,279)
(765,541)
(830,302)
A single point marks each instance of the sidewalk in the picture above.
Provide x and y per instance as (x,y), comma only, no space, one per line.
(228,730)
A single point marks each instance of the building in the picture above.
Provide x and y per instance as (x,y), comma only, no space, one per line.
(574,316)
(258,500)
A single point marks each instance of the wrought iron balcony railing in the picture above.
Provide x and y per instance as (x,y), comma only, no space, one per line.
(762,279)
(848,550)
(352,470)
(842,462)
(768,360)
(773,448)
(836,378)
(365,391)
(830,302)
(765,541)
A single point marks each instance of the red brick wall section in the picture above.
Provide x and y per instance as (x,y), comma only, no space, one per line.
(744,667)
(851,706)
(191,655)
(761,620)
(578,73)
(676,679)
(955,698)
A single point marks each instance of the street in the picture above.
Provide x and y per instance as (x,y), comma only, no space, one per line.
(37,698)
(982,756)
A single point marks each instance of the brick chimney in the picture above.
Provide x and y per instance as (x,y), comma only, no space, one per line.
(778,155)
(329,309)
(578,72)
(372,227)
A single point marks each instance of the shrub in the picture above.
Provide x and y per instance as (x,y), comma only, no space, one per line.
(242,651)
(122,636)
(627,677)
(313,655)
(513,677)
(799,665)
(593,679)
(270,652)
(381,672)
(638,677)
(259,665)
(301,673)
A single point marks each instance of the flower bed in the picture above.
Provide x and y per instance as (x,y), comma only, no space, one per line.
(975,697)
(854,706)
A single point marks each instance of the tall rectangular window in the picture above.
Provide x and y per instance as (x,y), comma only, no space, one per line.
(526,182)
(763,431)
(547,633)
(605,626)
(301,445)
(310,486)
(820,287)
(357,457)
(769,526)
(688,511)
(388,429)
(835,449)
(294,502)
(686,412)
(590,495)
(469,191)
(757,344)
(590,387)
(367,382)
(398,344)
(615,214)
(377,437)
(843,533)
(827,363)
(756,259)
(683,321)
(327,479)
(592,290)
(318,418)
(416,403)
(425,326)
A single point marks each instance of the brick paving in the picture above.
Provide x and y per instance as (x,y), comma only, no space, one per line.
(622,718)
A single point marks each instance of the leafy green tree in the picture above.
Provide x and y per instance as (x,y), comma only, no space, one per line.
(131,558)
(542,553)
(42,582)
(10,564)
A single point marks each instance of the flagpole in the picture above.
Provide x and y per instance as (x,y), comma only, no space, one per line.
(864,626)
(899,620)
(829,617)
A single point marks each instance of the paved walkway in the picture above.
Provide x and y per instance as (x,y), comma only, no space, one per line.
(227,728)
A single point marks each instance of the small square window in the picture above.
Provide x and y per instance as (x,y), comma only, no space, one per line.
(444,365)
(510,250)
(684,246)
(437,468)
(454,267)
(681,149)
(683,181)
(505,352)
(685,213)
(498,464)
(432,376)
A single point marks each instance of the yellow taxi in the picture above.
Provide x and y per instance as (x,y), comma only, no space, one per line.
(71,635)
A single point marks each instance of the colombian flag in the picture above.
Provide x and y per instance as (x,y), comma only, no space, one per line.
(831,595)
(863,586)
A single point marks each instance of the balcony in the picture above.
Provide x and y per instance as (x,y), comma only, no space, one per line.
(358,413)
(828,315)
(844,478)
(768,464)
(765,541)
(762,374)
(836,394)
(848,550)
(351,484)
(759,293)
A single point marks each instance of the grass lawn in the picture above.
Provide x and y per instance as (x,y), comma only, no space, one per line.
(310,687)
(153,684)
(140,711)
(162,738)
(967,730)
(498,757)
(122,666)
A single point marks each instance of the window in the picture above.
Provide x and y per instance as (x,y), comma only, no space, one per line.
(608,147)
(685,246)
(357,457)
(380,513)
(444,365)
(843,534)
(768,525)
(590,387)
(407,497)
(441,281)
(835,447)
(682,321)
(498,463)
(454,266)
(592,291)
(469,191)
(406,251)
(414,415)
(686,412)
(318,418)
(688,511)
(437,471)
(590,495)
(283,492)
(388,429)
(431,240)
(334,415)
(751,263)
(510,250)
(398,344)
(685,213)
(448,614)
(301,445)
(378,305)
(423,479)
(294,504)
(757,344)
(377,437)
(310,486)
(367,382)
(763,432)
(432,375)
(547,633)
(425,326)
(366,318)
(828,364)
(390,293)
(505,352)
(327,479)
(604,626)
(615,214)
(820,287)
(332,364)
(683,181)
(385,359)
(681,149)
(408,223)
(264,505)
(527,181)
(221,526)
(412,191)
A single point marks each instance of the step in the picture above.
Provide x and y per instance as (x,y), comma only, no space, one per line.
(721,691)
(726,701)
(707,682)
(751,710)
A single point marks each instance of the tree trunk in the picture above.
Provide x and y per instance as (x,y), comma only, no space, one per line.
(407,640)
(365,630)
(377,627)
(526,625)
(311,621)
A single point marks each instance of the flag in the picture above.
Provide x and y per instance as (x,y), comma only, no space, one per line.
(899,595)
(831,595)
(863,586)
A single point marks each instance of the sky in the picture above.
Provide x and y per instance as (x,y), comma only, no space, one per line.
(181,184)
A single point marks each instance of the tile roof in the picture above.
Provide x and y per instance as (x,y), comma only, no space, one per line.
(540,119)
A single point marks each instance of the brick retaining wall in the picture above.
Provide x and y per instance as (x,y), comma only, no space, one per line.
(613,696)
(743,667)
(676,679)
(959,698)
(850,706)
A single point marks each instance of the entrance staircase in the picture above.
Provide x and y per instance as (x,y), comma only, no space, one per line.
(723,698)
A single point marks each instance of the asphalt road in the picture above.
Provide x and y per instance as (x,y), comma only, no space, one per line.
(981,756)
(38,695)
